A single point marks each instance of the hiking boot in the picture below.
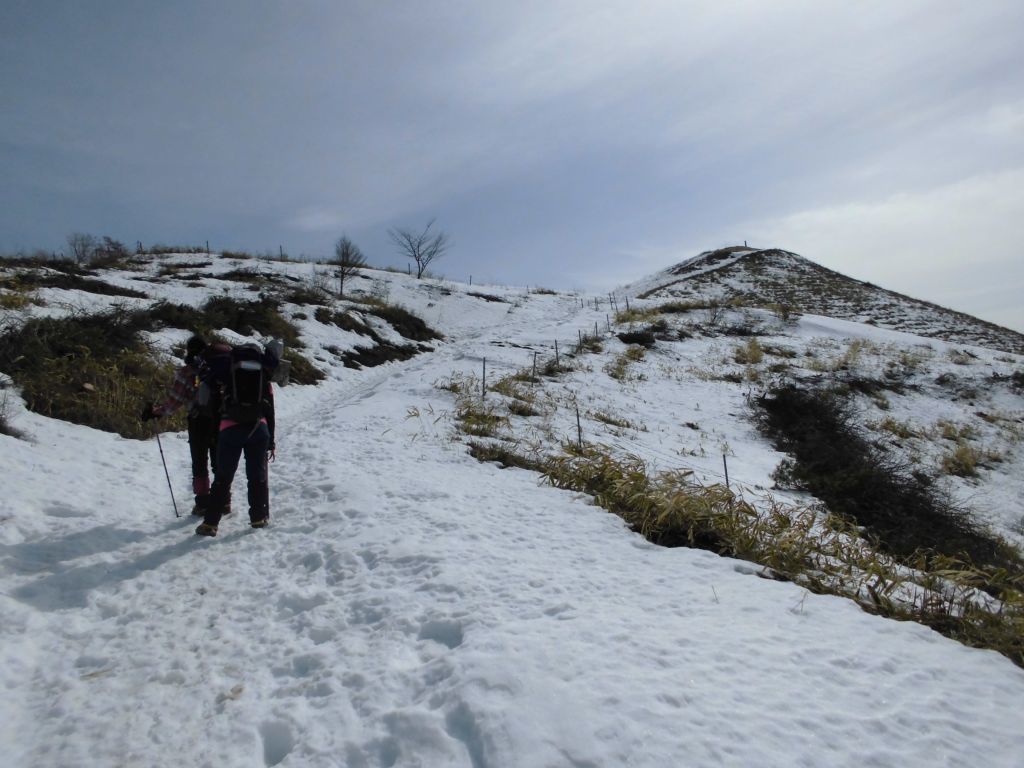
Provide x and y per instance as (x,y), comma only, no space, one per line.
(260,523)
(205,529)
(201,505)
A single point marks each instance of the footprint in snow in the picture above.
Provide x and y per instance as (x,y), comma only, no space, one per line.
(278,742)
(447,632)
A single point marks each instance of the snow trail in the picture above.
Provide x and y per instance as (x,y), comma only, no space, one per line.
(412,607)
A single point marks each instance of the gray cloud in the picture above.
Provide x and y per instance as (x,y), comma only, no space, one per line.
(565,143)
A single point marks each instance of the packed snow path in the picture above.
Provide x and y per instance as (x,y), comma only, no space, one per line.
(412,607)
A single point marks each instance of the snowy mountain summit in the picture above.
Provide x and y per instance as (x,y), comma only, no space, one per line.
(745,519)
(774,277)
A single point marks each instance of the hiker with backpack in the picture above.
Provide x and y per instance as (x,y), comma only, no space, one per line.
(242,380)
(185,390)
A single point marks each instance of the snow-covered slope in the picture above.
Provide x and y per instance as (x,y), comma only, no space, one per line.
(777,277)
(410,606)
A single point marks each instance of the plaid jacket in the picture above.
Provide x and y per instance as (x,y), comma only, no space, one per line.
(182,391)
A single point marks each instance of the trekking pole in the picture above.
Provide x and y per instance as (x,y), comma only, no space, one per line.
(167,474)
(267,463)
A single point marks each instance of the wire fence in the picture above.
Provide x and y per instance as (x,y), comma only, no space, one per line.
(549,360)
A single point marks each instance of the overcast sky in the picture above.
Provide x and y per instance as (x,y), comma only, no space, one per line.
(572,144)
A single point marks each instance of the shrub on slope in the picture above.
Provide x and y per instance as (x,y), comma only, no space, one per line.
(97,370)
(87,369)
(833,461)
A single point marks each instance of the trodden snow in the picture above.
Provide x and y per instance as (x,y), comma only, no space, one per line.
(411,606)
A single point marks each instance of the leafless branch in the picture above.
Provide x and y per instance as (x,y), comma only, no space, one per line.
(422,247)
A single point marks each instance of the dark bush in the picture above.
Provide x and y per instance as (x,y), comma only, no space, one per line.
(644,338)
(302,371)
(832,460)
(382,351)
(175,270)
(109,254)
(486,297)
(96,369)
(303,296)
(102,334)
(73,279)
(164,314)
(347,322)
(405,323)
(871,387)
(165,250)
(743,330)
(250,277)
(368,357)
(43,260)
(244,317)
(87,369)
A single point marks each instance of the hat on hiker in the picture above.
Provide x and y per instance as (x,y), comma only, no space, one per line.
(194,346)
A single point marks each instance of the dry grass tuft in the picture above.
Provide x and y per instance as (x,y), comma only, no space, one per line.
(618,368)
(749,353)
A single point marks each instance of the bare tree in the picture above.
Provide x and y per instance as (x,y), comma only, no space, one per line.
(348,259)
(82,246)
(108,252)
(421,247)
(714,312)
